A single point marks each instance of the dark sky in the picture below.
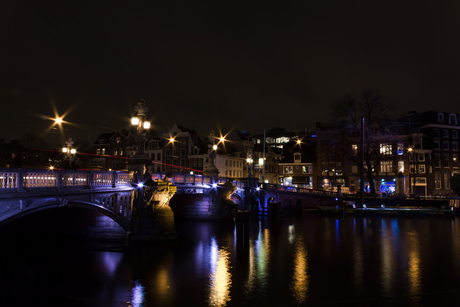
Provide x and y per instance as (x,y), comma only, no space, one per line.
(247,65)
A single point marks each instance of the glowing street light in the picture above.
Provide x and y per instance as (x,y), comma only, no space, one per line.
(139,121)
(69,151)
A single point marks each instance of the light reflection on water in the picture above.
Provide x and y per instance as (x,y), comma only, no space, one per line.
(414,269)
(221,278)
(300,280)
(366,261)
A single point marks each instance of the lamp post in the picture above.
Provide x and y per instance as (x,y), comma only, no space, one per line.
(69,151)
(138,160)
(250,161)
(211,170)
(410,151)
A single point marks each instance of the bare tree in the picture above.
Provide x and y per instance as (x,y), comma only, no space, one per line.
(348,112)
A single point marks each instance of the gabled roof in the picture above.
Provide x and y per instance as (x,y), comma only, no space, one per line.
(307,152)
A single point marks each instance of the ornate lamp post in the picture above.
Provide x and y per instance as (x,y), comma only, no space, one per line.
(69,151)
(137,161)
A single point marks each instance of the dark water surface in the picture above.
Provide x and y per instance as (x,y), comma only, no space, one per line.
(300,260)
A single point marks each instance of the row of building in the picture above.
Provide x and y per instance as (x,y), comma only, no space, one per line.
(424,154)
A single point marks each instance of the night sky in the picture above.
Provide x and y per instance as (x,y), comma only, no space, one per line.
(246,65)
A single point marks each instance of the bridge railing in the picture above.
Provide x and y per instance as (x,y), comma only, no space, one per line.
(182,179)
(278,187)
(20,179)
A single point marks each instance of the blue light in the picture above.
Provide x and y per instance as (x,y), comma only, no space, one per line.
(140,185)
(383,180)
(214,185)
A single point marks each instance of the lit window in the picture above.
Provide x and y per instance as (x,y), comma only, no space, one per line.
(454,160)
(103,151)
(306,169)
(421,169)
(386,149)
(354,150)
(401,166)
(386,166)
(98,151)
(287,170)
(400,149)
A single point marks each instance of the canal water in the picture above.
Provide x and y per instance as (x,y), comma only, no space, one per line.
(298,260)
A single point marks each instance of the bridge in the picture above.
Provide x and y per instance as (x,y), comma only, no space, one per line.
(112,193)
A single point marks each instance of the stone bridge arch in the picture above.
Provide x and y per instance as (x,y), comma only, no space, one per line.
(124,223)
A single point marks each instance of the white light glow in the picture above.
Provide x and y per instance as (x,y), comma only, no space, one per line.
(135,121)
(146,125)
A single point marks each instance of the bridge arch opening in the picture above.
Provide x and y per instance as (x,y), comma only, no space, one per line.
(76,221)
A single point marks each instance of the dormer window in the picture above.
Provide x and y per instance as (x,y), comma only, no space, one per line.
(441,117)
(452,119)
(297,157)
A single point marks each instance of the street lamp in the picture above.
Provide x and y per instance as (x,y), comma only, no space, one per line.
(410,149)
(250,161)
(69,151)
(138,161)
(139,121)
(211,170)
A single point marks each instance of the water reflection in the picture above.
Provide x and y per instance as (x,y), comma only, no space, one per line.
(388,257)
(300,280)
(221,281)
(414,270)
(137,296)
(259,259)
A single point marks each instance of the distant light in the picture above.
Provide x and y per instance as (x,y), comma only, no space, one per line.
(364,206)
(222,139)
(214,185)
(135,121)
(140,185)
(171,140)
(214,147)
(51,168)
(73,151)
(383,180)
(64,149)
(58,120)
(146,125)
(257,188)
(298,142)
